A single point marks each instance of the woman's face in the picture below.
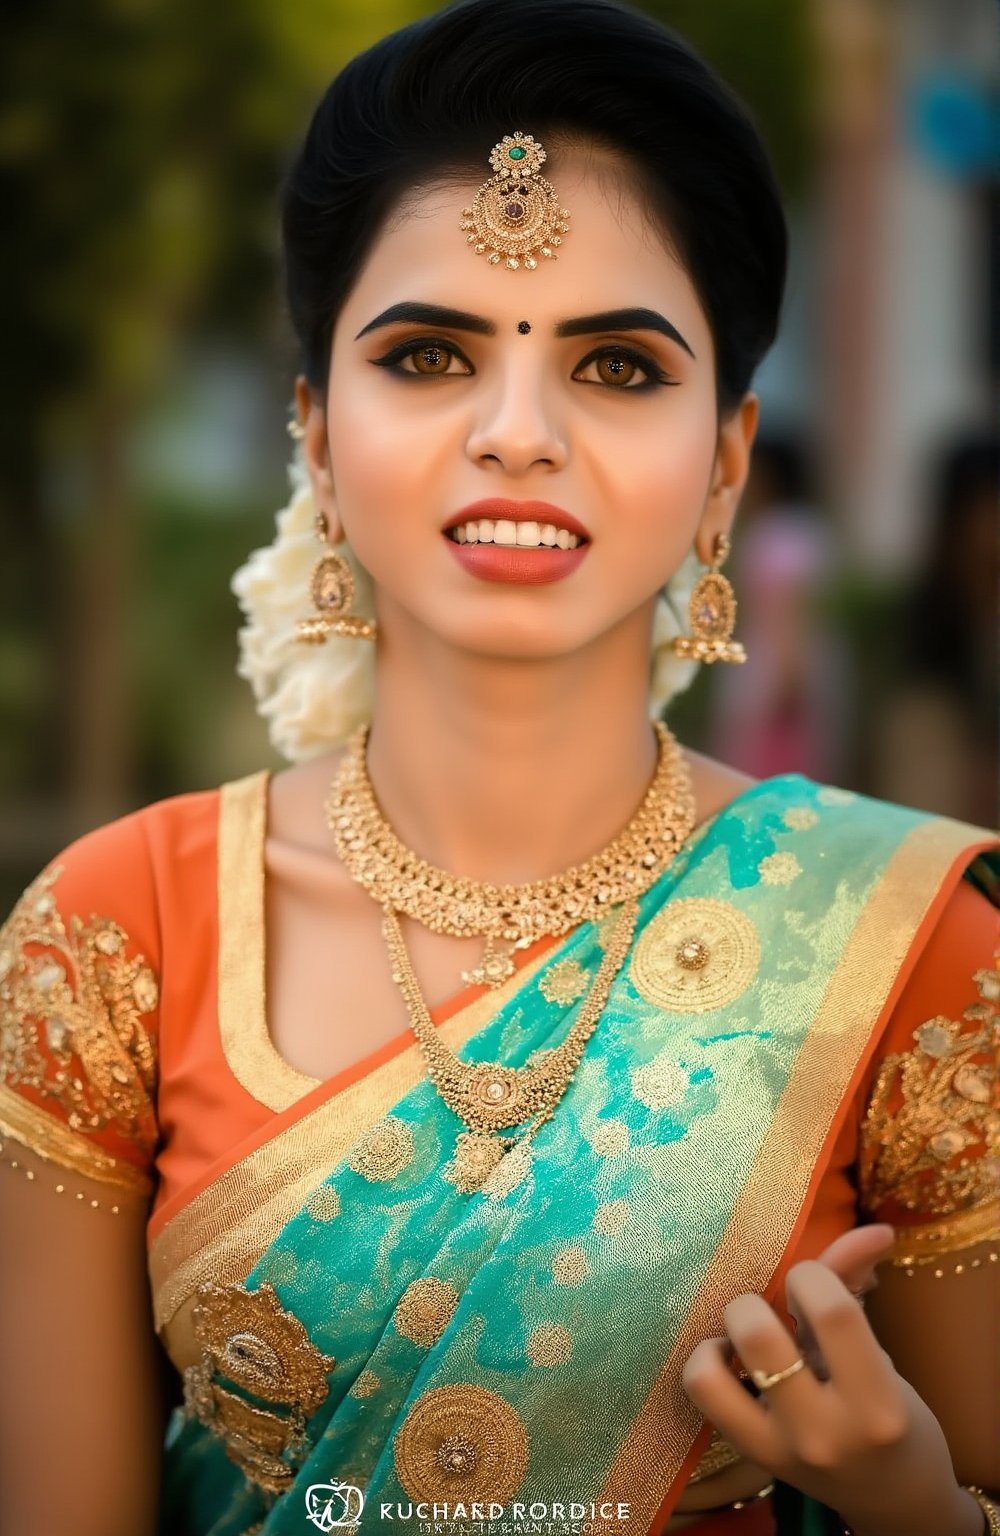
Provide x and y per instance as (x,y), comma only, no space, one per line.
(615,424)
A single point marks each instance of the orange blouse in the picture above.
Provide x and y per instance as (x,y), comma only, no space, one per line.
(118,944)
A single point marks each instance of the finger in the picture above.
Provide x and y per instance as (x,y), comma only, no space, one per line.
(854,1255)
(708,1379)
(763,1343)
(858,1367)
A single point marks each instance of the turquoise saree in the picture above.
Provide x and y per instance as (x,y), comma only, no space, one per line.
(370,1347)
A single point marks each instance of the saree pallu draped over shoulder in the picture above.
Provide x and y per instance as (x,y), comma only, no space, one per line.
(362,1340)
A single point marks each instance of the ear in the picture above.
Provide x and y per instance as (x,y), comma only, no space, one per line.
(316,453)
(729,475)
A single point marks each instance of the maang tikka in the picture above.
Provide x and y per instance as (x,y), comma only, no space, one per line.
(712,614)
(515,216)
(332,590)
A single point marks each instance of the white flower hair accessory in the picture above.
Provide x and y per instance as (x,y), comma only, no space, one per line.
(313,697)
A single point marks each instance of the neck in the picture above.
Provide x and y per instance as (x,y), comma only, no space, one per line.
(505,769)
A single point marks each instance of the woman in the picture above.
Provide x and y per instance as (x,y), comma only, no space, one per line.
(538,1250)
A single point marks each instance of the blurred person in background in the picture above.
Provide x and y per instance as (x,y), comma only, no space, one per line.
(788,709)
(936,736)
(294,1225)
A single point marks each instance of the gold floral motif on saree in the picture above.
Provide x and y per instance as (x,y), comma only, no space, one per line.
(460,1443)
(73,1029)
(564,982)
(249,1339)
(549,1344)
(696,955)
(424,1310)
(930,1138)
(383,1151)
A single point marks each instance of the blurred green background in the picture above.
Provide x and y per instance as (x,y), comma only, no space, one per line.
(149,368)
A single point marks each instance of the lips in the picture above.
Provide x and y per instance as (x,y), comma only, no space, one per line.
(495,508)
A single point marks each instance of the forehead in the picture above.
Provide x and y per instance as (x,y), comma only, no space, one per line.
(612,256)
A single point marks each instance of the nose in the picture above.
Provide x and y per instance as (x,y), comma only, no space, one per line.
(515,424)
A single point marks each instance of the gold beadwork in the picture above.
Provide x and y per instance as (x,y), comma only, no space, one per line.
(29,1174)
(696,955)
(424,1310)
(461,1442)
(515,216)
(249,1338)
(931,1131)
(83,1001)
(989,1507)
(366,1385)
(711,615)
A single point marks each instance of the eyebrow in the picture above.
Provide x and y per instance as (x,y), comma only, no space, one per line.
(632,319)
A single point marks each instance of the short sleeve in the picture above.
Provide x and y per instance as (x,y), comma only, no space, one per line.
(929,1145)
(79,1010)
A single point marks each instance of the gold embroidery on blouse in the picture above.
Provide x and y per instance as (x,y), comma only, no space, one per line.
(717,1455)
(933,1145)
(72,1028)
(251,1341)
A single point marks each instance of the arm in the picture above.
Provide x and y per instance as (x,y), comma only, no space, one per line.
(82,1409)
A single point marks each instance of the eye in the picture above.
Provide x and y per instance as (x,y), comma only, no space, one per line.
(617,367)
(431,359)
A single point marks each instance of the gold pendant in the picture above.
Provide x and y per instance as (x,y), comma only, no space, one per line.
(476,1156)
(493,970)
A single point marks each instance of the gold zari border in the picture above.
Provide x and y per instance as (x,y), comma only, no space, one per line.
(58,1143)
(768,1206)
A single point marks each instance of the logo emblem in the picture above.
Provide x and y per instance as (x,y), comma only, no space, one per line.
(331,1504)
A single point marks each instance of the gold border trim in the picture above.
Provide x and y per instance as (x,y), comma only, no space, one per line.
(242,990)
(58,1143)
(221,1232)
(769,1204)
(923,1244)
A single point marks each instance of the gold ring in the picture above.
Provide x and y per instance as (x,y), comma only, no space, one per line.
(763,1380)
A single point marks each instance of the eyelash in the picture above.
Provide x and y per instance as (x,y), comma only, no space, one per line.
(655,374)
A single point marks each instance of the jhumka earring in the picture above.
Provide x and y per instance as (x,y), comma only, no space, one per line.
(712,614)
(332,592)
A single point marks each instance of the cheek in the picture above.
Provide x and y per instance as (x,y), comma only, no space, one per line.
(382,455)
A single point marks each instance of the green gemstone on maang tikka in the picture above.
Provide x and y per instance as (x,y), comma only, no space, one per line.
(517,153)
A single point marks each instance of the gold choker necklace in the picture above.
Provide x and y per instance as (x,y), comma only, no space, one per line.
(398,878)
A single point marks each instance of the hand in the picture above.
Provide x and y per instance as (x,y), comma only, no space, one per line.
(846,1429)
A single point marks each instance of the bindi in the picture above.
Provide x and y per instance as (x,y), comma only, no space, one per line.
(523,327)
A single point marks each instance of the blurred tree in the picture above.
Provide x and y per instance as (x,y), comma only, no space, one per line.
(141,145)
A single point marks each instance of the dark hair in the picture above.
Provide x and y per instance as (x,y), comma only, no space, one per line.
(431,100)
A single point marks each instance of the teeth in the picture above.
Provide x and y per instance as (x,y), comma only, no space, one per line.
(505,531)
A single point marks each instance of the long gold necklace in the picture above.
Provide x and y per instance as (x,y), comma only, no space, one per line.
(488,1096)
(396,876)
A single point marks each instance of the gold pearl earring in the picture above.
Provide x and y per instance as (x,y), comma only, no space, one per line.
(332,592)
(712,614)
